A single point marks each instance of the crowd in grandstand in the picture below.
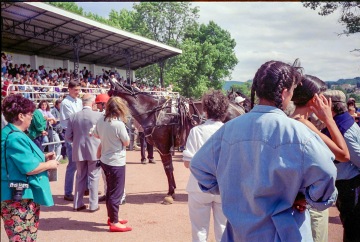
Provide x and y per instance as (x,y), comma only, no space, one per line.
(37,84)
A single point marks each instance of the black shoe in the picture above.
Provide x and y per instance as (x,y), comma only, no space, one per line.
(69,197)
(102,198)
(143,161)
(80,208)
(152,161)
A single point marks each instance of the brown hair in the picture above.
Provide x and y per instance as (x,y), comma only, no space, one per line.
(116,108)
(215,104)
(47,105)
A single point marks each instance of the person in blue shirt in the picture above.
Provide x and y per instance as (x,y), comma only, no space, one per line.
(266,165)
(22,162)
(348,173)
(71,104)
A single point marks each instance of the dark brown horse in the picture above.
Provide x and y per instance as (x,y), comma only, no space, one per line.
(166,123)
(233,94)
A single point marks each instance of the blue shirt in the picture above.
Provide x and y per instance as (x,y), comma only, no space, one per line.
(69,106)
(258,163)
(351,132)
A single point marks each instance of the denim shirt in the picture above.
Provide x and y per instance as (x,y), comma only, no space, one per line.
(258,163)
(350,169)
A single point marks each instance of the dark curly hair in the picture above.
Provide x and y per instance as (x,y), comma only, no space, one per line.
(307,88)
(15,104)
(272,78)
(215,104)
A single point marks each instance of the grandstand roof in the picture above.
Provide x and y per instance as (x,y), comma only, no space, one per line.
(36,28)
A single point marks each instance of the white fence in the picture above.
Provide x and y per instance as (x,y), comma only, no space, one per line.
(37,93)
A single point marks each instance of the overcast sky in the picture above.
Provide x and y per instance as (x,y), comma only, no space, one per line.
(274,31)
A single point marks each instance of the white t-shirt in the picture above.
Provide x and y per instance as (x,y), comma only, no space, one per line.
(112,135)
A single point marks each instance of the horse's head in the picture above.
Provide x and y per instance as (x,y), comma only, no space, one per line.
(121,88)
(232,95)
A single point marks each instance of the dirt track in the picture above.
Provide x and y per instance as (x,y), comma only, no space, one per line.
(146,186)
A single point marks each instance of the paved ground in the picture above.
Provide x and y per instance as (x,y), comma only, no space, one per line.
(151,221)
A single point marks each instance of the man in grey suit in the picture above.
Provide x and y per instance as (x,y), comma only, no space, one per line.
(84,153)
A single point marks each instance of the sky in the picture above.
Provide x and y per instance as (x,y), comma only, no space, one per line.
(280,31)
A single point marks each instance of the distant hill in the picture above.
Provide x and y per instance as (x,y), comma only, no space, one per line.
(228,84)
(353,81)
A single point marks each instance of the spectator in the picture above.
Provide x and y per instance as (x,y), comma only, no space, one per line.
(308,98)
(53,136)
(84,153)
(144,145)
(22,162)
(71,104)
(4,63)
(215,105)
(348,173)
(249,162)
(37,130)
(112,152)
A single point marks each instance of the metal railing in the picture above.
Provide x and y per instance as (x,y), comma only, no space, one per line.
(37,93)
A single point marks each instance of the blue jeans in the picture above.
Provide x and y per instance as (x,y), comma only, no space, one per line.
(70,171)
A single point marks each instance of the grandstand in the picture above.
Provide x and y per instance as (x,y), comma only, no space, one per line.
(47,46)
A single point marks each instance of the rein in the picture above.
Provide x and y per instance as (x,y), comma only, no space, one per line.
(183,112)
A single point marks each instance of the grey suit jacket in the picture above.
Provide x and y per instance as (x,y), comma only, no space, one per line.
(77,132)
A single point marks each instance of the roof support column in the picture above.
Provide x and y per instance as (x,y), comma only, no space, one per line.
(76,61)
(34,62)
(162,65)
(128,62)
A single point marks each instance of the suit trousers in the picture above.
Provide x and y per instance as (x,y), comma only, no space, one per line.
(87,177)
(149,147)
(115,179)
(70,171)
(200,206)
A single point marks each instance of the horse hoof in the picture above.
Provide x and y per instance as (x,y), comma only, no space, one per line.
(168,200)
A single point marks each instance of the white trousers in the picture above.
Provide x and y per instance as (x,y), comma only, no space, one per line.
(200,206)
(319,224)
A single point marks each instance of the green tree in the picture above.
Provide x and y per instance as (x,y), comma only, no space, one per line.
(208,58)
(349,13)
(165,22)
(355,96)
(244,88)
(127,20)
(69,6)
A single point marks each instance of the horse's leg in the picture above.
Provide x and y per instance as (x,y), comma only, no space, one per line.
(169,171)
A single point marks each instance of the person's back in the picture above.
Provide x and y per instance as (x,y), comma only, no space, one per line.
(260,161)
(85,145)
(273,156)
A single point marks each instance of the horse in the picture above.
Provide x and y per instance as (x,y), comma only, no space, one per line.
(166,123)
(234,110)
(246,104)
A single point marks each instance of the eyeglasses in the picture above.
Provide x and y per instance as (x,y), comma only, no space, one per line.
(26,114)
